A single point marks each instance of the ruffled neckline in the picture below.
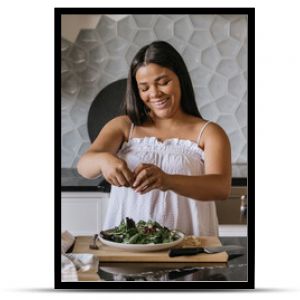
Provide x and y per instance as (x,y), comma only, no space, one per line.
(152,140)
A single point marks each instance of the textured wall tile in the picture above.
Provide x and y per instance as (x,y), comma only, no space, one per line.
(245,133)
(104,80)
(235,138)
(228,68)
(87,94)
(82,130)
(241,114)
(89,76)
(191,56)
(238,28)
(83,148)
(88,38)
(201,39)
(127,29)
(117,47)
(203,96)
(211,57)
(227,104)
(227,123)
(229,48)
(242,58)
(220,29)
(116,67)
(179,45)
(183,28)
(163,28)
(218,86)
(77,113)
(71,85)
(200,76)
(98,57)
(243,155)
(107,29)
(66,122)
(66,69)
(210,112)
(69,142)
(174,17)
(79,57)
(65,46)
(237,86)
(202,22)
(131,52)
(145,21)
(144,37)
(67,156)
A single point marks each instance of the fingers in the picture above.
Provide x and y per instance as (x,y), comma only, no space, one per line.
(143,179)
(142,172)
(128,176)
(140,167)
(121,177)
(147,185)
(113,181)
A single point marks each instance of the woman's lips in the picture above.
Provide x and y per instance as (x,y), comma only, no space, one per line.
(160,103)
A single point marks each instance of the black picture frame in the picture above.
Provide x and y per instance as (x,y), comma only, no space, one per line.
(250,180)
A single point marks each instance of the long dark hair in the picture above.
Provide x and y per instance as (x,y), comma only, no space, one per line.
(165,55)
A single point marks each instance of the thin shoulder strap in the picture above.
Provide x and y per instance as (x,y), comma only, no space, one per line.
(201,131)
(131,131)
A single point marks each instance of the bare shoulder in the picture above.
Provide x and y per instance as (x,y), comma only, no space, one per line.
(121,123)
(215,129)
(120,120)
(213,133)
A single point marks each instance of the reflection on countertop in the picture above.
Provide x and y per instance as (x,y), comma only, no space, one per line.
(236,269)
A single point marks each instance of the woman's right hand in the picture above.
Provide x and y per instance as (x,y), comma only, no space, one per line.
(116,171)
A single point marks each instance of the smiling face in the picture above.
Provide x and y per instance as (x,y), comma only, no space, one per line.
(159,89)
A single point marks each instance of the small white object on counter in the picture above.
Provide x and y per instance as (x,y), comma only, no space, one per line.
(72,265)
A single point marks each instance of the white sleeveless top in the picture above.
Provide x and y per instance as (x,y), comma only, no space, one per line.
(173,156)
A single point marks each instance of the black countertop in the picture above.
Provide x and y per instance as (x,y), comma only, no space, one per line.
(236,269)
(72,181)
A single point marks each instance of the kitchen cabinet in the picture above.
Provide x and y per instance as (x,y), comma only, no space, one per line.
(232,213)
(82,213)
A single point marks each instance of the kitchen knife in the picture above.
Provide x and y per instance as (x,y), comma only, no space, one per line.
(230,249)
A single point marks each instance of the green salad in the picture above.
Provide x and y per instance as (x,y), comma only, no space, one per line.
(129,232)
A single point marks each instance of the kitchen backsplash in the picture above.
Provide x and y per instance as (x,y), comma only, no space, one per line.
(214,48)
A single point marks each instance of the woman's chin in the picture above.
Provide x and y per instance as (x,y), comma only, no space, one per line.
(163,114)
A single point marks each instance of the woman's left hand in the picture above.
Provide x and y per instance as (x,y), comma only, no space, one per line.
(149,177)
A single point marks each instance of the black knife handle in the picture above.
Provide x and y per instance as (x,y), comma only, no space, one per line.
(185,251)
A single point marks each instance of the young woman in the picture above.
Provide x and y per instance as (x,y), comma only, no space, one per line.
(164,162)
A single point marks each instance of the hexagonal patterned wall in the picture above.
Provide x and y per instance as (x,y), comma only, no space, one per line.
(214,48)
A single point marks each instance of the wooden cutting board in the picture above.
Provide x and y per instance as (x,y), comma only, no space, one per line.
(110,254)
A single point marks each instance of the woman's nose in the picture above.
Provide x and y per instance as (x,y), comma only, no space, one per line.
(154,92)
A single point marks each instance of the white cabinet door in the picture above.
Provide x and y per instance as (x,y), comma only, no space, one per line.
(104,204)
(82,212)
(232,230)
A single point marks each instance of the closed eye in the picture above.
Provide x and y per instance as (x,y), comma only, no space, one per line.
(164,82)
(143,89)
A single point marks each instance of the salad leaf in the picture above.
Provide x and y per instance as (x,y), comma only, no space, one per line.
(142,232)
